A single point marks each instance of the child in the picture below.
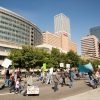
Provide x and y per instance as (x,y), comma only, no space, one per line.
(17,85)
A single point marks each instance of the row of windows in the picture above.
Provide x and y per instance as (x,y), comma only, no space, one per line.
(14,26)
(14,20)
(17,30)
(22,40)
(5,49)
(19,41)
(13,37)
(10,30)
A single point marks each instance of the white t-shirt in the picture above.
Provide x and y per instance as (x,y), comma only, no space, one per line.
(17,84)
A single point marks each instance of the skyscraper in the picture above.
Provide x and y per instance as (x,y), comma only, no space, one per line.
(95,31)
(62,24)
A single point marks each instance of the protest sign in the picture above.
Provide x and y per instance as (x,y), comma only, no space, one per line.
(51,70)
(6,63)
(32,90)
(61,64)
(99,66)
(68,66)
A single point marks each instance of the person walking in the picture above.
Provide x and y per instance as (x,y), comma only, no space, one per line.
(63,78)
(71,78)
(55,80)
(7,76)
(97,74)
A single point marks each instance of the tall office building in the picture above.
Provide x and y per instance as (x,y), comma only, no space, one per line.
(90,46)
(95,31)
(62,24)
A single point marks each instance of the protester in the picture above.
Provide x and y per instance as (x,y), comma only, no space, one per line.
(15,75)
(38,75)
(19,73)
(7,76)
(71,78)
(17,85)
(63,76)
(98,75)
(92,78)
(12,85)
(55,80)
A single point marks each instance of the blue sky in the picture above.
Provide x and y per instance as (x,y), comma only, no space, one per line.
(83,14)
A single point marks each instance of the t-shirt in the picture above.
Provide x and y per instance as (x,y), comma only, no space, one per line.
(17,84)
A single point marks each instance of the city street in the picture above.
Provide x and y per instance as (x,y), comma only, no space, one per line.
(46,93)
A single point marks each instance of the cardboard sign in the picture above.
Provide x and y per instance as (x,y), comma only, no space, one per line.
(61,64)
(68,66)
(51,70)
(99,66)
(6,63)
(32,90)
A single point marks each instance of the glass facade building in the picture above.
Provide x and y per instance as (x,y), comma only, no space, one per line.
(95,31)
(16,31)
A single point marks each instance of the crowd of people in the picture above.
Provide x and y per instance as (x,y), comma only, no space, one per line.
(54,77)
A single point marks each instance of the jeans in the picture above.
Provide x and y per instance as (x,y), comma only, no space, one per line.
(55,86)
(71,83)
(6,82)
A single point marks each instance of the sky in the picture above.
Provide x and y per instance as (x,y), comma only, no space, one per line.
(83,14)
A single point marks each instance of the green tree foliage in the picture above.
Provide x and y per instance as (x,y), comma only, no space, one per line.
(16,57)
(55,57)
(35,57)
(72,58)
(29,57)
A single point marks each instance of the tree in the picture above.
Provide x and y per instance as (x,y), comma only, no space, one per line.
(15,56)
(55,57)
(29,57)
(72,58)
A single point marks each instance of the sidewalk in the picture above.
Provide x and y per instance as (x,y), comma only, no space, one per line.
(89,95)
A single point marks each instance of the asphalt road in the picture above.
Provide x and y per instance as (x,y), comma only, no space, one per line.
(46,93)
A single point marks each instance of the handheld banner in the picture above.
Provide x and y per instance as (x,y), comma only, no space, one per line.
(85,68)
(6,63)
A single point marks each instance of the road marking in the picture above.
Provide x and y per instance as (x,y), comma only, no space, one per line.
(6,93)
